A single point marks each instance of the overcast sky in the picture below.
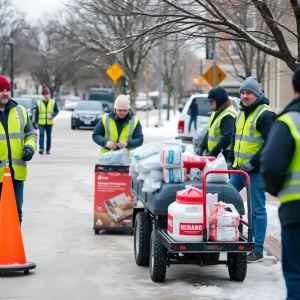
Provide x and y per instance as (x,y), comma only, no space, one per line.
(35,9)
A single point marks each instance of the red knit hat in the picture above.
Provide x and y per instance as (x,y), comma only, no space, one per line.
(45,91)
(4,83)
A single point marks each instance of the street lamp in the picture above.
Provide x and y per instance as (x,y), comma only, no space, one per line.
(11,42)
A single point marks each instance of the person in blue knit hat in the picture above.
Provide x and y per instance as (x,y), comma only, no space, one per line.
(252,128)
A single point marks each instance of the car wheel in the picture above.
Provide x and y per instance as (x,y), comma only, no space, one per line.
(73,127)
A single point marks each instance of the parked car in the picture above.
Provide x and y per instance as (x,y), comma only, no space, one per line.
(34,97)
(164,103)
(71,103)
(204,112)
(87,113)
(142,103)
(99,94)
(28,104)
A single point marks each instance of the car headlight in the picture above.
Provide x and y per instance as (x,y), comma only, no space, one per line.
(99,116)
(75,116)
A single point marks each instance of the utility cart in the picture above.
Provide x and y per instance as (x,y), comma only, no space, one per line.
(153,246)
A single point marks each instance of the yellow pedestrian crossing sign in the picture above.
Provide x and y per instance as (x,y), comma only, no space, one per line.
(114,73)
(209,75)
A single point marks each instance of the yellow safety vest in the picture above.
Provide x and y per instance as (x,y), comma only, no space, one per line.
(111,130)
(45,111)
(214,131)
(17,120)
(248,140)
(291,188)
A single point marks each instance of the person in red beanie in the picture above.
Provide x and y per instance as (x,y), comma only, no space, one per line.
(46,110)
(19,142)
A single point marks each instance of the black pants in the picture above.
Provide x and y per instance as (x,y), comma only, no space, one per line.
(290,239)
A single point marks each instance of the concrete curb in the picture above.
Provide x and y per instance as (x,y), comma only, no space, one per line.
(273,247)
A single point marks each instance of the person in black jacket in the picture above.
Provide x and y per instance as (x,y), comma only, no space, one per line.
(252,128)
(280,168)
(119,135)
(193,111)
(221,124)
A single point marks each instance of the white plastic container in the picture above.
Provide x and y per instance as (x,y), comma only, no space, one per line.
(185,216)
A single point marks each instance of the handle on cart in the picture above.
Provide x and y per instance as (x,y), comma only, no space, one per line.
(248,199)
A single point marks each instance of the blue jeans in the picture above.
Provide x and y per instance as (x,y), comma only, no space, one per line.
(193,119)
(48,129)
(19,189)
(290,240)
(258,204)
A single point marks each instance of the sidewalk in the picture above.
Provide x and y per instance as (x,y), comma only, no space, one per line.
(272,245)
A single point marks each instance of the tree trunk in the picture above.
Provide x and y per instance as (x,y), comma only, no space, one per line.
(132,96)
(169,88)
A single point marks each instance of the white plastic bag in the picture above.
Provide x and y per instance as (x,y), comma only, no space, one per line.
(153,181)
(115,157)
(143,176)
(150,163)
(218,164)
(171,157)
(211,200)
(146,150)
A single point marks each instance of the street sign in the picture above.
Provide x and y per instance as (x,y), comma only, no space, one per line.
(114,73)
(210,47)
(209,75)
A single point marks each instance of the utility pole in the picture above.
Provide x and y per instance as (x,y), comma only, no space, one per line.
(214,63)
(159,79)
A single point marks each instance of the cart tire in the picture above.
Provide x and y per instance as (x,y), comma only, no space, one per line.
(237,266)
(158,258)
(97,231)
(26,272)
(142,236)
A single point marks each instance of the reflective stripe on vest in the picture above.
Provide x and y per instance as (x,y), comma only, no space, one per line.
(248,140)
(45,111)
(111,130)
(214,131)
(17,120)
(291,188)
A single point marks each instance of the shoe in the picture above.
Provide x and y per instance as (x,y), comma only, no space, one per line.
(41,152)
(47,152)
(254,257)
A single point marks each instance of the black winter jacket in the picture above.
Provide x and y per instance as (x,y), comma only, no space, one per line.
(264,124)
(137,138)
(275,160)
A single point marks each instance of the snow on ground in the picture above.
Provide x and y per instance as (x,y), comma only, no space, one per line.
(274,228)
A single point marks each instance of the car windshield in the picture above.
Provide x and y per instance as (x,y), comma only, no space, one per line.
(140,99)
(73,100)
(89,106)
(27,103)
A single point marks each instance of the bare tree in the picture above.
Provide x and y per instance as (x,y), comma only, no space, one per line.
(89,25)
(213,18)
(12,28)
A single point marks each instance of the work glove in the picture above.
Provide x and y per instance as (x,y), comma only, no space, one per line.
(199,151)
(247,167)
(229,165)
(27,154)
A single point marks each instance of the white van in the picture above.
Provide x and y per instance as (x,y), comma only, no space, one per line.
(204,112)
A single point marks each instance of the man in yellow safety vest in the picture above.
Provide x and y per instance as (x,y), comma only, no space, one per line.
(221,124)
(252,128)
(119,129)
(18,141)
(280,168)
(46,110)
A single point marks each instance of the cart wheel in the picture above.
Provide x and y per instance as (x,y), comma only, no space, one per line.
(26,272)
(237,266)
(142,235)
(97,231)
(158,258)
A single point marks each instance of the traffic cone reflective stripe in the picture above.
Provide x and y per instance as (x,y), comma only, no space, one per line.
(11,242)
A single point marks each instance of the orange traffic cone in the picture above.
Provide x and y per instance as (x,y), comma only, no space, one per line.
(12,254)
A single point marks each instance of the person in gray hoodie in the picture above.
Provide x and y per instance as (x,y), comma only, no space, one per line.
(252,128)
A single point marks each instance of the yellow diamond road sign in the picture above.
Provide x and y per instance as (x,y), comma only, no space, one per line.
(114,73)
(209,75)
